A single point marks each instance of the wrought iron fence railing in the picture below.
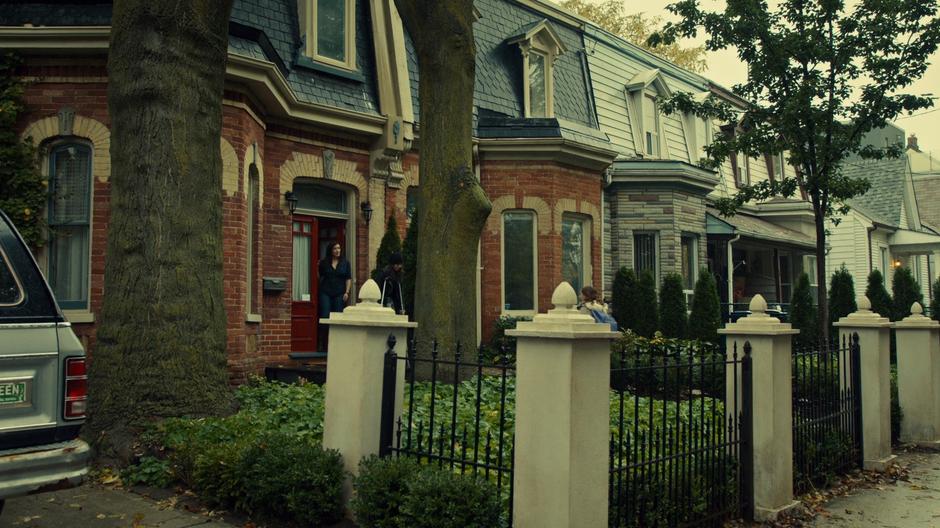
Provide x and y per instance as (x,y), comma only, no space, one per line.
(456,413)
(827,412)
(679,444)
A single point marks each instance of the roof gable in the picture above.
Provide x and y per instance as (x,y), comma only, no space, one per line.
(650,78)
(541,32)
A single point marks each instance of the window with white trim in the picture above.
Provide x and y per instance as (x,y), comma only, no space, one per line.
(575,250)
(650,126)
(69,211)
(538,85)
(645,253)
(780,166)
(251,301)
(540,46)
(703,137)
(689,256)
(330,31)
(742,170)
(519,261)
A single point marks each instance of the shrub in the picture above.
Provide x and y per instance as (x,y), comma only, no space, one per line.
(409,253)
(23,192)
(624,302)
(841,297)
(896,414)
(381,488)
(906,292)
(660,366)
(672,310)
(706,309)
(149,471)
(647,321)
(935,302)
(391,243)
(803,313)
(398,493)
(502,347)
(292,479)
(880,299)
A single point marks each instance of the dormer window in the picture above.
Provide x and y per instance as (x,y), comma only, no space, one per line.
(646,123)
(540,46)
(330,31)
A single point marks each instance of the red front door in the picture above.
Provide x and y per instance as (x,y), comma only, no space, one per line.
(303,334)
(313,237)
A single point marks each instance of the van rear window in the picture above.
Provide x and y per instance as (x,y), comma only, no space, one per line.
(11,292)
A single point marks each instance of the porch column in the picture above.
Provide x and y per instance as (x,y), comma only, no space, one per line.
(919,378)
(874,339)
(562,418)
(771,406)
(354,376)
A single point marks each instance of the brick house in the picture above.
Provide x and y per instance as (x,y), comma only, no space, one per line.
(320,122)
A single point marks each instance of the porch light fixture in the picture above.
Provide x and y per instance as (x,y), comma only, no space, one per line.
(291,201)
(896,263)
(366,208)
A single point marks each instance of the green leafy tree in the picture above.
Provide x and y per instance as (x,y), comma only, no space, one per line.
(22,189)
(625,302)
(906,291)
(673,319)
(409,252)
(841,295)
(647,322)
(612,15)
(876,292)
(803,313)
(935,302)
(706,309)
(820,75)
(391,243)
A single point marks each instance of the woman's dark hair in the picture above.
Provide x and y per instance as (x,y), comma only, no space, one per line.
(589,293)
(333,245)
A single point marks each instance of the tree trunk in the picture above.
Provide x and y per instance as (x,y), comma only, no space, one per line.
(162,335)
(822,299)
(452,207)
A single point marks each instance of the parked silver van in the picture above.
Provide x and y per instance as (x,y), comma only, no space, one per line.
(43,381)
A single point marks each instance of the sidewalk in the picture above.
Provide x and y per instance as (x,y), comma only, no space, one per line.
(913,503)
(94,506)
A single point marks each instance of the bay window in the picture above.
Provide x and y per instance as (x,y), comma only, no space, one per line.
(519,261)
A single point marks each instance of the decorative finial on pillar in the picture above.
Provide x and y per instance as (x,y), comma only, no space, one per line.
(564,297)
(369,293)
(758,305)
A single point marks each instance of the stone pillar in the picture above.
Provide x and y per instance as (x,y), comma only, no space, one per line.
(919,378)
(874,339)
(771,406)
(562,418)
(354,374)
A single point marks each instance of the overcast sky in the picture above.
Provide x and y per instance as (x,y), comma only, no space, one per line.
(726,69)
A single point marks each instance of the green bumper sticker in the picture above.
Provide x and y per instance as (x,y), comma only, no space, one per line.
(12,392)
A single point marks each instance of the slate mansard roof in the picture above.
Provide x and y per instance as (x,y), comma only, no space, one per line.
(268,30)
(884,201)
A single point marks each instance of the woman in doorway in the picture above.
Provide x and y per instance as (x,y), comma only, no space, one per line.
(335,281)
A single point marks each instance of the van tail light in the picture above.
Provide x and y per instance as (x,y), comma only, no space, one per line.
(76,388)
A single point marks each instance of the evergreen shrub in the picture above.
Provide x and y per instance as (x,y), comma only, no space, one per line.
(705,319)
(906,292)
(876,292)
(935,303)
(803,313)
(625,298)
(647,322)
(391,243)
(673,320)
(841,298)
(397,493)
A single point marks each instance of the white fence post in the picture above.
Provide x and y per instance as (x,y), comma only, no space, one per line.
(354,376)
(919,378)
(771,400)
(562,418)
(874,340)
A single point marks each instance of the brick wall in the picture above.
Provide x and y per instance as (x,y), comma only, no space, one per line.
(549,189)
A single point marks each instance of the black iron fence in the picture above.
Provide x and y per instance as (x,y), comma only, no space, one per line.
(827,412)
(680,436)
(456,413)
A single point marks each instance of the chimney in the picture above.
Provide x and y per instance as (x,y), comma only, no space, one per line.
(912,143)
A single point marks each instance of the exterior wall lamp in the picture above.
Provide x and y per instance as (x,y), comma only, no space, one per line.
(366,208)
(291,201)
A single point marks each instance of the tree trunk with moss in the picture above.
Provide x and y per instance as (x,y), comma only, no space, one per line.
(162,334)
(452,207)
